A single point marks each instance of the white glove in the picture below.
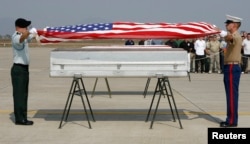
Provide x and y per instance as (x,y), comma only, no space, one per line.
(33,31)
(34,34)
(223,33)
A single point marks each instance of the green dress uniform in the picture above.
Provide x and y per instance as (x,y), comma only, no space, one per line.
(20,76)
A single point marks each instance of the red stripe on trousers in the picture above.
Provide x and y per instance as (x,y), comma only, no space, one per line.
(231,95)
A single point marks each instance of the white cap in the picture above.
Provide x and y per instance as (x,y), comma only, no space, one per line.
(233,19)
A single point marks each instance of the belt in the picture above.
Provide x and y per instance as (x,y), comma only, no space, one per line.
(237,63)
(22,65)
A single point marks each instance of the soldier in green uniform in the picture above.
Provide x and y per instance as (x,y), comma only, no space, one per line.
(20,70)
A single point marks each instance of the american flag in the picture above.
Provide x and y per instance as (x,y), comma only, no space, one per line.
(126,30)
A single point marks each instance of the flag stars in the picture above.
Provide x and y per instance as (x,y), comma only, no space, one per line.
(82,28)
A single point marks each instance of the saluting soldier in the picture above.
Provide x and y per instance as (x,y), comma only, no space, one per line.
(20,70)
(232,70)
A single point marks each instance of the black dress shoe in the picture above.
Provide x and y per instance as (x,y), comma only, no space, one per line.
(24,122)
(225,125)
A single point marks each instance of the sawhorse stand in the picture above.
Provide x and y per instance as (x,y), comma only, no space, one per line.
(108,87)
(148,82)
(163,87)
(146,87)
(77,88)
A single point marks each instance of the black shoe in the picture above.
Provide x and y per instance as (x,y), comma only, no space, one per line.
(225,125)
(24,122)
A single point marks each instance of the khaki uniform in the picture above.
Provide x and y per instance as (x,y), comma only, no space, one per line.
(214,48)
(233,52)
(232,72)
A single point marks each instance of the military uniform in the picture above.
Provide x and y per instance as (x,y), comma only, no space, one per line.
(20,76)
(232,73)
(20,73)
(214,48)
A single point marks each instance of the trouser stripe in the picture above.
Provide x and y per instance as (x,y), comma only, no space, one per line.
(231,93)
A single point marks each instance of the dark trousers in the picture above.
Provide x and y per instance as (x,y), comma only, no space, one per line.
(199,59)
(245,62)
(20,84)
(232,74)
(207,64)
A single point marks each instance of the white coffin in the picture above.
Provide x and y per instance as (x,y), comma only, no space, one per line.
(119,61)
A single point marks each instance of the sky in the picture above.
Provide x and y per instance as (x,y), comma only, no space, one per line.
(44,13)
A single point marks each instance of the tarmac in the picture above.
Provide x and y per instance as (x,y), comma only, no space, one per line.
(201,104)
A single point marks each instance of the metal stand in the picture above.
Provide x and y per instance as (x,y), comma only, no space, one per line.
(163,87)
(107,83)
(78,90)
(148,82)
(146,87)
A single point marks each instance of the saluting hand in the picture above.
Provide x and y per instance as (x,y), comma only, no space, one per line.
(24,35)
